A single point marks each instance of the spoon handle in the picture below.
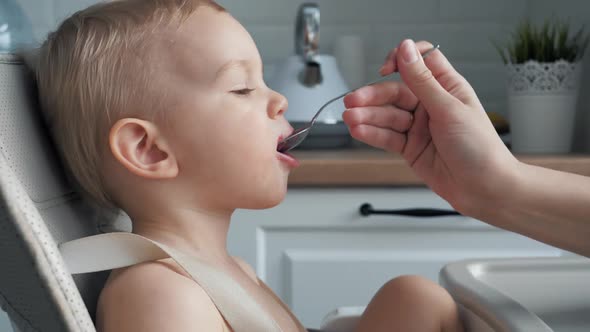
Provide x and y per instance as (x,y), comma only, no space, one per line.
(367,84)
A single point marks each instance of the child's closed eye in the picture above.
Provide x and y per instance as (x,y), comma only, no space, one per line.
(242,92)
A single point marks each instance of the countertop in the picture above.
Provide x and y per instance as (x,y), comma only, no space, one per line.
(368,167)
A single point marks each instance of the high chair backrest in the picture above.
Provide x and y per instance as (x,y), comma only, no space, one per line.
(39,210)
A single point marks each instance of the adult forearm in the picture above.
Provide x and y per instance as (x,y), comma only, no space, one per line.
(547,205)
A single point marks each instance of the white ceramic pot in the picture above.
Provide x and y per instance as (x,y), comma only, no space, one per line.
(542,100)
(542,124)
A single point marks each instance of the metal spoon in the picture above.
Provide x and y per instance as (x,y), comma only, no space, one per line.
(300,134)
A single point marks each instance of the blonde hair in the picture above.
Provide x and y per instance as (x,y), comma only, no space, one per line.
(95,69)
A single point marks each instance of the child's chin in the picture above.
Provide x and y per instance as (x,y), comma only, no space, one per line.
(269,201)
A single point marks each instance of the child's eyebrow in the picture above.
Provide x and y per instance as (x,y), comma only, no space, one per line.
(243,64)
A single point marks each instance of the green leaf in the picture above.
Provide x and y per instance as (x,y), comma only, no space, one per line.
(547,42)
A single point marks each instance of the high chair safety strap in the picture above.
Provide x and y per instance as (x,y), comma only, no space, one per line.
(116,250)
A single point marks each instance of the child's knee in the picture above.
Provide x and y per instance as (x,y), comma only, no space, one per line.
(417,290)
(418,294)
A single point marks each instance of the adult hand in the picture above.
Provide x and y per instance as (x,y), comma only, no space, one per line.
(436,122)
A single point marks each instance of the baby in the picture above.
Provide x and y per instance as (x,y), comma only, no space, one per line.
(159,108)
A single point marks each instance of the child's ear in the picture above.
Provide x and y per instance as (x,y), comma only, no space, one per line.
(139,146)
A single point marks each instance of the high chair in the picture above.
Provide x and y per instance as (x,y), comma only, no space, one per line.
(42,216)
(40,210)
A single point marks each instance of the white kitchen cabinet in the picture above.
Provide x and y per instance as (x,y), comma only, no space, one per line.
(317,252)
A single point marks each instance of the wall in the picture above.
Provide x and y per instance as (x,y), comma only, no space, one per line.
(463,28)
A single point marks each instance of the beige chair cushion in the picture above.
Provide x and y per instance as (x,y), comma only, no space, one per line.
(38,210)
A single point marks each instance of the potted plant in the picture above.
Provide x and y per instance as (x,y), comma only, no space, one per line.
(544,70)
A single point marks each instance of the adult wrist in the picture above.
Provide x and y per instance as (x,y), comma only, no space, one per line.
(497,191)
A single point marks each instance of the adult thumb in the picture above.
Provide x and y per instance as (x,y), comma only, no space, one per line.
(420,79)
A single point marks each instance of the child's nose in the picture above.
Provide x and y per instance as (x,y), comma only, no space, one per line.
(278,105)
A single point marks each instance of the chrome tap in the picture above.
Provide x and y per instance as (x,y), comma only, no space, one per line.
(307,43)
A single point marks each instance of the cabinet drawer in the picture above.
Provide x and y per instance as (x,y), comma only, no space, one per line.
(317,252)
(341,206)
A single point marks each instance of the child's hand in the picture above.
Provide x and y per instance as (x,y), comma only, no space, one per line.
(449,141)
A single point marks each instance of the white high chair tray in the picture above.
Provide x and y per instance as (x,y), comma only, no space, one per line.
(342,319)
(532,294)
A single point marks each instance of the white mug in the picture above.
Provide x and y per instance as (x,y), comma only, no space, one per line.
(305,101)
(349,51)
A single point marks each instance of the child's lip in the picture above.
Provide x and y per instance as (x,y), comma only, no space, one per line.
(288,159)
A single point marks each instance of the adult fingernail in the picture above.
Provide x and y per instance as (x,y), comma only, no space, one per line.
(409,51)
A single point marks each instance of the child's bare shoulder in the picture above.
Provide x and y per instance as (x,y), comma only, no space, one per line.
(155,296)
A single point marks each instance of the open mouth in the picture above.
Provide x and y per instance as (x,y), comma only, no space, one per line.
(284,156)
(281,138)
(279,141)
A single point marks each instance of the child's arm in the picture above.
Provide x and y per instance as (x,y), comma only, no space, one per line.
(152,297)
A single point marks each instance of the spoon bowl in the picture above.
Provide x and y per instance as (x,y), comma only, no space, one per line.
(293,140)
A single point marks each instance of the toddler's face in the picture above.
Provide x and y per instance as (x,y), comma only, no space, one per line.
(226,123)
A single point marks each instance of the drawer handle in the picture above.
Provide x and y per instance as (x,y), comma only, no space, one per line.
(367,210)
